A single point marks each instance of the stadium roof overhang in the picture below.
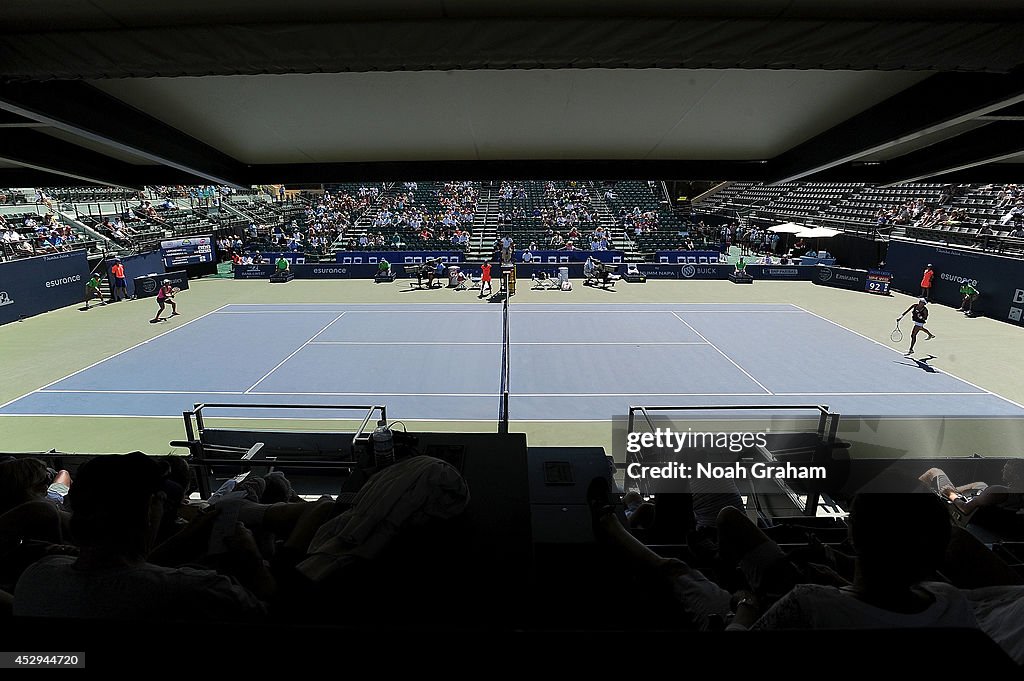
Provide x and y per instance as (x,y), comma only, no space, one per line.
(316,91)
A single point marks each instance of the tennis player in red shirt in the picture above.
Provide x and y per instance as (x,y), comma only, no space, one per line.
(485,279)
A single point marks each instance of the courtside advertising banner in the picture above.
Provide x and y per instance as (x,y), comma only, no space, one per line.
(31,286)
(999,279)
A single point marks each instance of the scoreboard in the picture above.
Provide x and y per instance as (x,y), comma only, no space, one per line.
(194,250)
(878,282)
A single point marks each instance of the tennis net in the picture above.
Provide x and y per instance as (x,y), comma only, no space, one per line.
(505,363)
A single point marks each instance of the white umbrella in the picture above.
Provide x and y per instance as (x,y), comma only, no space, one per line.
(817,233)
(787,228)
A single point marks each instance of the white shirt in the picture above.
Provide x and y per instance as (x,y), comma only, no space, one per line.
(811,606)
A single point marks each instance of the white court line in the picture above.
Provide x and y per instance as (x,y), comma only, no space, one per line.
(476,310)
(513,395)
(611,343)
(147,392)
(638,312)
(306,394)
(745,372)
(739,311)
(896,350)
(371,342)
(308,418)
(520,311)
(75,373)
(329,324)
(877,393)
(460,395)
(93,416)
(285,312)
(453,343)
(1000,417)
(579,304)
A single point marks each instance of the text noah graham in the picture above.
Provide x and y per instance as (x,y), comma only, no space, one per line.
(718,471)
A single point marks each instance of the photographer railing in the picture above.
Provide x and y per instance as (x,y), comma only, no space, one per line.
(195,424)
(255,456)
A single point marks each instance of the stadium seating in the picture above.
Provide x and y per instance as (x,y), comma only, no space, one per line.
(955,215)
(417,212)
(33,240)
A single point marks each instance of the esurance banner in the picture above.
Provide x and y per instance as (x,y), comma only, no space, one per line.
(30,286)
(999,279)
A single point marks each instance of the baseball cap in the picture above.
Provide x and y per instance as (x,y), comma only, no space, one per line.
(167,281)
(923,300)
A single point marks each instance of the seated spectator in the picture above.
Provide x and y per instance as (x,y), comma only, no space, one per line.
(975,495)
(409,493)
(900,539)
(32,516)
(29,479)
(118,504)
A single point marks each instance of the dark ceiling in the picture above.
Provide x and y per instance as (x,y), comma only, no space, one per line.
(240,93)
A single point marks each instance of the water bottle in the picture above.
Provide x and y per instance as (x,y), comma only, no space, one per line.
(383,447)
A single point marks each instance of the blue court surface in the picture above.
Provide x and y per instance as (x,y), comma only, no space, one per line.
(568,363)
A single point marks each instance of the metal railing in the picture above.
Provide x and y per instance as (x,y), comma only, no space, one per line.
(255,456)
(195,423)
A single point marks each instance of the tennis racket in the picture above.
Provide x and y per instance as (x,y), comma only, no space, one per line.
(175,290)
(896,336)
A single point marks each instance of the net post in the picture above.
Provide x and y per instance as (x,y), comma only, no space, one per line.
(503,423)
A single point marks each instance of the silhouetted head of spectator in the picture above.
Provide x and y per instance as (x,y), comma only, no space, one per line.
(178,472)
(177,478)
(1013,475)
(117,503)
(900,532)
(21,480)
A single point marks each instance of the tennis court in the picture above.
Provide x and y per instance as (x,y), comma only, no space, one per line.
(585,362)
